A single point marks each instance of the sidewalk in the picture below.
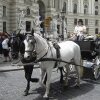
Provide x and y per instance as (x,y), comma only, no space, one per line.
(11,66)
(7,66)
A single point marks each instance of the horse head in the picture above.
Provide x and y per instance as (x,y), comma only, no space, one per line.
(29,43)
(35,45)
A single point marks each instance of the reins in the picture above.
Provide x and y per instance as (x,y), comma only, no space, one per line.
(46,59)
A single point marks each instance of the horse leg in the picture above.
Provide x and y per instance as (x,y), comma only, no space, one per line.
(43,72)
(77,60)
(49,71)
(67,75)
(78,76)
(77,68)
(28,72)
(61,74)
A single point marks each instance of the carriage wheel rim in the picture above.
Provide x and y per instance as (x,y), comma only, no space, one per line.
(96,72)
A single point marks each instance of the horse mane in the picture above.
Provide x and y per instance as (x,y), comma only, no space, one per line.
(39,38)
(41,43)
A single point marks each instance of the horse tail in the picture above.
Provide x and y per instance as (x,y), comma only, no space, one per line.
(77,55)
(79,61)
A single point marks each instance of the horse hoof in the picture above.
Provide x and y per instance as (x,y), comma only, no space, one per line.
(25,90)
(77,86)
(26,93)
(46,97)
(61,81)
(35,80)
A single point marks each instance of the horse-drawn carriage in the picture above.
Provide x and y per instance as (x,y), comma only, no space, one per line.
(90,52)
(46,54)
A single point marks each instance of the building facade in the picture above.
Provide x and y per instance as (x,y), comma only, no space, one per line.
(28,14)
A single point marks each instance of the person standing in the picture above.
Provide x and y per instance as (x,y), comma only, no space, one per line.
(80,30)
(6,48)
(1,39)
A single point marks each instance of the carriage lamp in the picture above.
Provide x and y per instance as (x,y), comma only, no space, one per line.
(63,17)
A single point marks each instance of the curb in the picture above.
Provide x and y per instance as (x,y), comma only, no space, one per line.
(10,69)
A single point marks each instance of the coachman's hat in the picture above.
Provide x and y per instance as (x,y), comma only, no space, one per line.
(80,20)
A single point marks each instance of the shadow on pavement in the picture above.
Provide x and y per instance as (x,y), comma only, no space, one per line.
(58,92)
(3,74)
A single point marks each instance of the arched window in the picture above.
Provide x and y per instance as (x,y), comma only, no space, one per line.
(28,11)
(96,10)
(64,7)
(85,9)
(75,9)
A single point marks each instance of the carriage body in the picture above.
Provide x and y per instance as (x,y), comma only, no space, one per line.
(88,49)
(90,53)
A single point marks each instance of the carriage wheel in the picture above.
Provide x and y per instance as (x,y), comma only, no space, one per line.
(96,68)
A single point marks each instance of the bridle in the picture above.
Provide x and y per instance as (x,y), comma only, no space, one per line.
(33,51)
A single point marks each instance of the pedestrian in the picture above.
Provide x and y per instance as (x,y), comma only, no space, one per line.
(80,30)
(1,39)
(6,48)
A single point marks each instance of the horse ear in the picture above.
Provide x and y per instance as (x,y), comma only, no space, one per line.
(32,32)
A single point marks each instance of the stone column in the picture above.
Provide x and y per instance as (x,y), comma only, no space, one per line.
(71,4)
(81,7)
(60,5)
(90,6)
(49,3)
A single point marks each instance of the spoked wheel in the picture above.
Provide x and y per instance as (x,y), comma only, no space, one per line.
(96,68)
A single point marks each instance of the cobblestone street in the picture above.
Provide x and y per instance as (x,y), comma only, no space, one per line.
(12,85)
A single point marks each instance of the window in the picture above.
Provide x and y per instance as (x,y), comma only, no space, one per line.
(4,27)
(58,29)
(75,9)
(86,21)
(75,21)
(4,11)
(87,30)
(96,0)
(28,26)
(96,10)
(64,7)
(66,20)
(85,9)
(96,31)
(28,11)
(96,22)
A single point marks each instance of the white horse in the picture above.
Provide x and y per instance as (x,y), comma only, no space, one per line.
(68,49)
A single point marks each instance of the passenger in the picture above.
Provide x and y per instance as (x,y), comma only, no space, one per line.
(80,30)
